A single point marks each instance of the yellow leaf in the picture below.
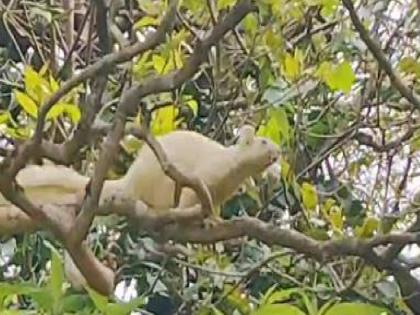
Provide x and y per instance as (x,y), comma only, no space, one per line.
(285,170)
(44,68)
(160,64)
(178,58)
(54,84)
(36,86)
(192,103)
(73,112)
(55,111)
(309,196)
(336,218)
(328,204)
(164,120)
(4,117)
(146,21)
(224,4)
(370,225)
(28,105)
(292,65)
(63,108)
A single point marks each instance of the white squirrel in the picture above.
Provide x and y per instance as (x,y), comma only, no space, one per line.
(223,169)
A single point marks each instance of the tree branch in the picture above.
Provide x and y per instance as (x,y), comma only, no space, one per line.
(377,52)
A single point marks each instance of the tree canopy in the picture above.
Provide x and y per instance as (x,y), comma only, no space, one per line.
(333,229)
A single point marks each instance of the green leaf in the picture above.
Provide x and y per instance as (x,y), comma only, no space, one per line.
(280,296)
(146,21)
(356,309)
(309,196)
(370,225)
(124,308)
(336,218)
(17,288)
(74,303)
(344,77)
(273,40)
(277,127)
(250,24)
(100,301)
(54,85)
(28,105)
(337,78)
(410,65)
(143,66)
(329,7)
(237,299)
(152,7)
(43,298)
(225,4)
(19,133)
(195,6)
(414,141)
(73,112)
(57,274)
(274,309)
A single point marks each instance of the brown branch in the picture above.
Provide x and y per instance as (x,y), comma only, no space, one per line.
(148,220)
(377,52)
(173,225)
(68,6)
(58,220)
(367,140)
(109,151)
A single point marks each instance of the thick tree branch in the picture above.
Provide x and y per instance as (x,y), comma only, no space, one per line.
(172,225)
(367,140)
(59,220)
(377,52)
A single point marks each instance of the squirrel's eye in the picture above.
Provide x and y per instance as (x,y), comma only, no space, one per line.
(264,141)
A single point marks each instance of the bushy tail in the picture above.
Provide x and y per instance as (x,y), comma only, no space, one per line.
(49,182)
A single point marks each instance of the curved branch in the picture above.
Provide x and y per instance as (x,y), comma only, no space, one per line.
(377,52)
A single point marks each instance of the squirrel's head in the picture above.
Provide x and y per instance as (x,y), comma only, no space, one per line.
(255,151)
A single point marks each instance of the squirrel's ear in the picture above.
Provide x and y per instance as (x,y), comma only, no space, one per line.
(246,135)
